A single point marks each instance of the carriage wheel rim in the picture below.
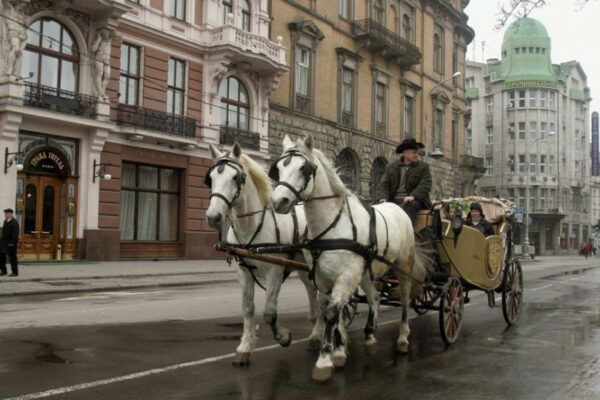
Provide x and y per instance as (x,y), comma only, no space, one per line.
(452,309)
(512,292)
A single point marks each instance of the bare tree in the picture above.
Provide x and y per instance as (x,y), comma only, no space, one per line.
(519,9)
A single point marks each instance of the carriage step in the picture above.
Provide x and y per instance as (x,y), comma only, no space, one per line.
(491,298)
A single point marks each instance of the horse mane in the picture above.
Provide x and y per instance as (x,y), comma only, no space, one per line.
(337,186)
(264,184)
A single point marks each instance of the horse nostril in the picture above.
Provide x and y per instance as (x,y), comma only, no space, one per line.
(214,219)
(217,218)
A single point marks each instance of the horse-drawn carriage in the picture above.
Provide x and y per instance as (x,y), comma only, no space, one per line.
(464,260)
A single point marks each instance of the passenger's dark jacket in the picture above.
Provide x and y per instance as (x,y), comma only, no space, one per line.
(483,226)
(10,234)
(418,182)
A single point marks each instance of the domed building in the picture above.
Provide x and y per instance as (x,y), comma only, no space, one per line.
(529,121)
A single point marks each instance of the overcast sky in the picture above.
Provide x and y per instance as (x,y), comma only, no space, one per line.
(574,35)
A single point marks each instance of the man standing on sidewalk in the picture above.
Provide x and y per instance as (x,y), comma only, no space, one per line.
(8,244)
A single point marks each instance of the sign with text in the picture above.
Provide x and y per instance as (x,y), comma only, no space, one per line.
(527,83)
(48,160)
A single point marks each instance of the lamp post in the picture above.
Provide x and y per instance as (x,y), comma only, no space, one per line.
(454,75)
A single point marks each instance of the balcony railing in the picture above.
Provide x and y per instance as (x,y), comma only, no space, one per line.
(159,121)
(247,139)
(63,101)
(378,38)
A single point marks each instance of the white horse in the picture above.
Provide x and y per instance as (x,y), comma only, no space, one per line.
(304,173)
(240,195)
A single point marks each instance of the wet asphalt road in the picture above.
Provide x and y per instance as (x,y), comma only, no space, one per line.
(552,353)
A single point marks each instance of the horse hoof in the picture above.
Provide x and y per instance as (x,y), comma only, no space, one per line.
(402,348)
(286,340)
(322,374)
(314,344)
(241,359)
(371,348)
(339,360)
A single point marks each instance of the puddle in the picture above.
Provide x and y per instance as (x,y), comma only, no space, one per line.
(46,354)
(573,272)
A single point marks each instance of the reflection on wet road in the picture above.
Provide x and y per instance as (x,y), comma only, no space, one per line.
(552,353)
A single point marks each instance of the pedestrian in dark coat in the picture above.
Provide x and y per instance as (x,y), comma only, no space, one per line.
(476,219)
(8,243)
(407,182)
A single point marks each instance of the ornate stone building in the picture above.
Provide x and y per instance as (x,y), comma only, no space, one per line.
(530,121)
(366,74)
(132,91)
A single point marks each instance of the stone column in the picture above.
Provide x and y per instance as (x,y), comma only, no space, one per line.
(9,138)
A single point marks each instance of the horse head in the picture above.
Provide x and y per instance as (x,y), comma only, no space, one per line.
(295,172)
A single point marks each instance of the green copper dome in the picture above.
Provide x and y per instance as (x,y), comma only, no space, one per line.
(526,53)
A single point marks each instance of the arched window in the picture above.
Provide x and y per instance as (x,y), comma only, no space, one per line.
(246,15)
(377,171)
(235,106)
(406,27)
(378,12)
(51,57)
(437,53)
(393,20)
(227,9)
(348,167)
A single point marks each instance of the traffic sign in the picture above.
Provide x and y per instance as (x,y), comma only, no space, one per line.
(519,216)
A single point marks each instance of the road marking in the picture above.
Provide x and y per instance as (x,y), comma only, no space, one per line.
(542,287)
(156,371)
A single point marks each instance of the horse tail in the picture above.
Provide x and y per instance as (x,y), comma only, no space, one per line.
(424,260)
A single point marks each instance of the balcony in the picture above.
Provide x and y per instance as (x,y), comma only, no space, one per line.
(386,43)
(145,118)
(472,164)
(58,100)
(246,139)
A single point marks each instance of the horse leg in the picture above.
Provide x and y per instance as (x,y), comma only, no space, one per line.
(314,340)
(340,340)
(274,280)
(333,336)
(311,291)
(242,354)
(405,286)
(372,296)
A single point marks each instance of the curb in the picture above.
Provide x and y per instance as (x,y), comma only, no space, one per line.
(75,278)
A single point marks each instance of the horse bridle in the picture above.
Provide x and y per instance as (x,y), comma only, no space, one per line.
(309,170)
(240,179)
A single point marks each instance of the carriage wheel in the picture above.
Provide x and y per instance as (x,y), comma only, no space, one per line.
(350,310)
(512,291)
(451,310)
(422,303)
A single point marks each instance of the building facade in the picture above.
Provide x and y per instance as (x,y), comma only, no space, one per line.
(530,123)
(107,108)
(366,74)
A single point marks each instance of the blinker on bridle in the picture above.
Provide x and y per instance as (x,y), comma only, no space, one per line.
(309,170)
(240,179)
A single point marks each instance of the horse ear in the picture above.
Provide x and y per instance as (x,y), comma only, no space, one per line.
(287,142)
(236,150)
(308,142)
(215,154)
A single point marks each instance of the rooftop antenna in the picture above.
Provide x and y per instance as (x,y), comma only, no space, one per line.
(483,51)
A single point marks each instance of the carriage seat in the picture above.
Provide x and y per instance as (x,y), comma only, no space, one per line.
(424,220)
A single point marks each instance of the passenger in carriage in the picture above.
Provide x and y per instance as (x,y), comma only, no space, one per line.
(407,182)
(477,220)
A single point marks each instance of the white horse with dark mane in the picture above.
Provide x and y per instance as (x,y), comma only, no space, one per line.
(240,198)
(350,244)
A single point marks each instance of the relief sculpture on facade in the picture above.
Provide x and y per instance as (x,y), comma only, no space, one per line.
(14,34)
(101,56)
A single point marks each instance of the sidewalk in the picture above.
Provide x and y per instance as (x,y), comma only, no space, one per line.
(86,276)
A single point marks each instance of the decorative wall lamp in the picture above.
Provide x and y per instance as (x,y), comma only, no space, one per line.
(13,160)
(101,171)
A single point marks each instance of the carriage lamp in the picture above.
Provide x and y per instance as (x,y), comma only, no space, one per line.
(101,171)
(9,161)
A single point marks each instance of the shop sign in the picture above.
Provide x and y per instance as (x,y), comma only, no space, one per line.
(48,160)
(527,83)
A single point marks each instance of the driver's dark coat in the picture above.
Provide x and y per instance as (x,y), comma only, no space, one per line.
(418,182)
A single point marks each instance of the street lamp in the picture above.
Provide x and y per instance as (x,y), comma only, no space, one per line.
(436,152)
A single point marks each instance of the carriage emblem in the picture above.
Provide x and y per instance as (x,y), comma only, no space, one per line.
(494,256)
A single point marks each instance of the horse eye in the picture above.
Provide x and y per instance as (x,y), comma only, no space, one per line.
(234,177)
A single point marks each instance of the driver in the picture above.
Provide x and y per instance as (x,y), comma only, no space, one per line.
(407,182)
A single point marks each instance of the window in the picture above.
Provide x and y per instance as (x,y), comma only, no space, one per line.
(302,79)
(551,97)
(489,165)
(51,56)
(522,98)
(532,97)
(521,162)
(406,31)
(469,140)
(347,97)
(130,75)
(378,12)
(490,134)
(543,94)
(345,9)
(543,128)
(511,163)
(246,15)
(522,198)
(227,9)
(380,109)
(511,99)
(532,130)
(455,118)
(438,56)
(438,127)
(149,203)
(235,105)
(177,9)
(511,131)
(176,91)
(552,197)
(521,130)
(552,131)
(408,116)
(490,104)
(551,164)
(543,195)
(511,194)
(455,69)
(533,163)
(532,198)
(542,164)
